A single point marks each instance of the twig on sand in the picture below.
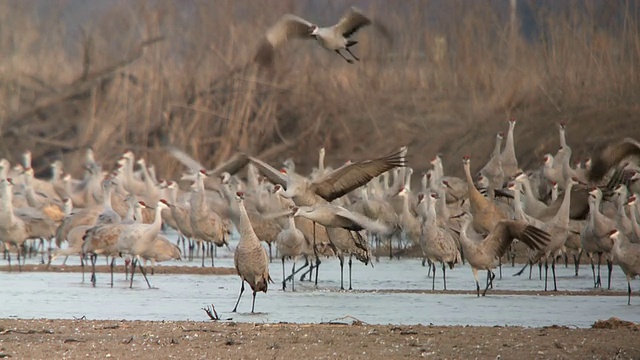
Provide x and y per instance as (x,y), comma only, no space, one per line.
(355,321)
(211,312)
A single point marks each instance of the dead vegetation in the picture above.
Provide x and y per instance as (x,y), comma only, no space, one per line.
(144,74)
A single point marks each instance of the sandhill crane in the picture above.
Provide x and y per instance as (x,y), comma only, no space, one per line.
(344,229)
(250,258)
(455,188)
(486,214)
(595,235)
(382,211)
(13,231)
(160,250)
(101,240)
(508,155)
(315,235)
(558,229)
(623,222)
(483,254)
(332,186)
(632,203)
(492,170)
(290,243)
(108,215)
(439,245)
(137,239)
(206,224)
(266,229)
(553,174)
(334,38)
(74,247)
(627,255)
(181,213)
(409,222)
(532,205)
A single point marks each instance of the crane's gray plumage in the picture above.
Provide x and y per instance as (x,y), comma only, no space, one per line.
(334,38)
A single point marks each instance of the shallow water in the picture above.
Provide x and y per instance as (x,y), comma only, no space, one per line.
(181,297)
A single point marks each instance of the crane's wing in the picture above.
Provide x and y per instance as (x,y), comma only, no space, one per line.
(611,156)
(288,27)
(186,159)
(506,230)
(270,172)
(363,221)
(231,166)
(351,177)
(351,22)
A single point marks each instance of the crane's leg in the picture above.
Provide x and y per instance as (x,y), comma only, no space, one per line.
(126,268)
(610,268)
(144,273)
(540,270)
(522,270)
(500,267)
(593,269)
(293,273)
(491,277)
(352,54)
(253,302)
(553,271)
(94,258)
(546,273)
(444,276)
(350,264)
(82,266)
(433,278)
(513,255)
(316,253)
(19,255)
(239,296)
(270,256)
(204,250)
(598,280)
(348,60)
(7,253)
(133,271)
(531,270)
(628,291)
(184,244)
(475,276)
(293,270)
(390,247)
(341,271)
(576,261)
(113,261)
(284,280)
(41,245)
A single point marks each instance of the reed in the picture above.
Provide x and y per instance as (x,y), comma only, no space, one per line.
(454,74)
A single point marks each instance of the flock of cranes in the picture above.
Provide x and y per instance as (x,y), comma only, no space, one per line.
(339,212)
(555,210)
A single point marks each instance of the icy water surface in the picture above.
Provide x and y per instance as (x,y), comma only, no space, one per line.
(181,297)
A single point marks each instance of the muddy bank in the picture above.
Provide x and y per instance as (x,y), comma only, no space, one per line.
(345,338)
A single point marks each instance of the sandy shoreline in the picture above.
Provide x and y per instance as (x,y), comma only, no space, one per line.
(347,338)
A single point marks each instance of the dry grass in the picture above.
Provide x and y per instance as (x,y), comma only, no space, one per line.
(454,74)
